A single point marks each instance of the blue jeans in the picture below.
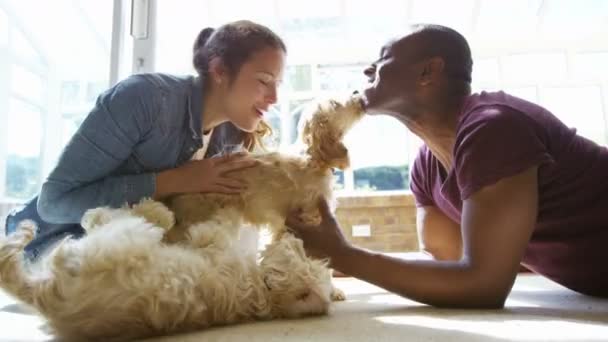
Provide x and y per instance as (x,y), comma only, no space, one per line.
(46,233)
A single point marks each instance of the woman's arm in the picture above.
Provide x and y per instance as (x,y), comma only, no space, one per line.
(81,179)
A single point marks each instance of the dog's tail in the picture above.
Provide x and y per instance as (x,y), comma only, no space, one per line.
(13,276)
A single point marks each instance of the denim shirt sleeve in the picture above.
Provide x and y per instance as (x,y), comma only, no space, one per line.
(83,176)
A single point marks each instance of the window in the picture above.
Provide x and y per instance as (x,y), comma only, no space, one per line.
(3,28)
(23,160)
(54,62)
(328,50)
(579,107)
(534,67)
(591,66)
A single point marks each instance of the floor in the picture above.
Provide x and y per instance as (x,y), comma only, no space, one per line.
(537,310)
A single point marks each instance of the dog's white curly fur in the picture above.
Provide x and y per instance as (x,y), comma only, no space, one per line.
(159,268)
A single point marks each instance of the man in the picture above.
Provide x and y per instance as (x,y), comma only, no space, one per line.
(498,182)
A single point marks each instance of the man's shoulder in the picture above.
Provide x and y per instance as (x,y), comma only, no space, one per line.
(499,105)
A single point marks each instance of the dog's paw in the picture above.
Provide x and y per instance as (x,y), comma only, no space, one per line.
(337,295)
(155,212)
(26,230)
(96,217)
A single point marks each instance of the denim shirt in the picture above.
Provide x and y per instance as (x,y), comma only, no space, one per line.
(144,124)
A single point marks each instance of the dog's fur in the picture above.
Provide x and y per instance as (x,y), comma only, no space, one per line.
(150,269)
(281,183)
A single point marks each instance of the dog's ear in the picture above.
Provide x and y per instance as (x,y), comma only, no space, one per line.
(325,148)
(334,154)
(324,132)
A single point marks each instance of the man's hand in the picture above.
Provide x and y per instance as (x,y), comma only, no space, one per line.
(323,240)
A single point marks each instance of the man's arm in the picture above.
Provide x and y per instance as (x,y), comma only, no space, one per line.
(497,222)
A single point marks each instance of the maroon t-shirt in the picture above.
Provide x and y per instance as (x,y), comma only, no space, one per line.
(498,136)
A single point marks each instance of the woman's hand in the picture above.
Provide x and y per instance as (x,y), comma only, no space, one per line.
(211,175)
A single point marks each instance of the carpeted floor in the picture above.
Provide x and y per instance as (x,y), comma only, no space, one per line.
(537,310)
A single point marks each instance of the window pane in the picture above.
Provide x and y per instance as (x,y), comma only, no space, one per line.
(55,49)
(496,18)
(296,110)
(455,14)
(300,77)
(22,47)
(273,118)
(574,18)
(70,93)
(3,28)
(262,10)
(382,178)
(22,180)
(180,21)
(309,9)
(27,84)
(485,72)
(338,180)
(591,66)
(533,68)
(370,27)
(23,155)
(310,38)
(341,77)
(94,89)
(579,107)
(378,147)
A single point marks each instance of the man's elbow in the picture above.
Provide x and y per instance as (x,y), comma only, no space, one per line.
(473,300)
(487,295)
(475,291)
(490,300)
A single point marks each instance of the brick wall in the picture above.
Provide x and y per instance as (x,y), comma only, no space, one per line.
(391,219)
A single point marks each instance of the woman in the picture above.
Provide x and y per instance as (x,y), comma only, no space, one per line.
(152,135)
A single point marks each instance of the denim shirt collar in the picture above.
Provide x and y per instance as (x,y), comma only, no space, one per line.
(195,108)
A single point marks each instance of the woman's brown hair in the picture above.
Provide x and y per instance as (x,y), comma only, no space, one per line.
(234,43)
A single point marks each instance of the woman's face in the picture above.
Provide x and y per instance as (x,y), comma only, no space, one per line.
(254,88)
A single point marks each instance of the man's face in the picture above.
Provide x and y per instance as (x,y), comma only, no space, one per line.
(392,80)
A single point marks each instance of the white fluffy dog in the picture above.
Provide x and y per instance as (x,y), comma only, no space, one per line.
(130,277)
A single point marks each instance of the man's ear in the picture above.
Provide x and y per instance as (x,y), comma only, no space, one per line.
(431,69)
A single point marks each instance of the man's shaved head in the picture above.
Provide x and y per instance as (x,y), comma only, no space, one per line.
(428,69)
(428,41)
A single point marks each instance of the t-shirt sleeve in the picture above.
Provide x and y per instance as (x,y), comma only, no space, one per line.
(420,180)
(496,142)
